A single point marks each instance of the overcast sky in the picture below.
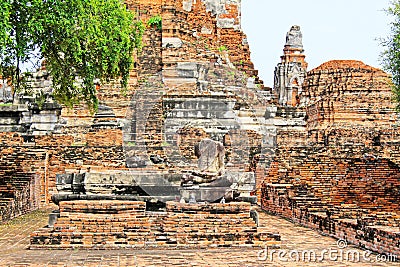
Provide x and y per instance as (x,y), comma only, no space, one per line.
(339,29)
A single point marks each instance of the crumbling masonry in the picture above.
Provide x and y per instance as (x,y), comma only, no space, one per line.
(320,148)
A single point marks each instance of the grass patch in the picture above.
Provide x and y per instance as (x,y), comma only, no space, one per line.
(5,104)
(41,214)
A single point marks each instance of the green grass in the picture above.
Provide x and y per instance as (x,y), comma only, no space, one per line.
(5,104)
(41,214)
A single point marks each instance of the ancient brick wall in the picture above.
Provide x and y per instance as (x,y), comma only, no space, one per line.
(81,141)
(19,194)
(371,184)
(115,224)
(377,232)
(49,155)
(351,128)
(343,163)
(349,92)
(209,29)
(22,172)
(339,174)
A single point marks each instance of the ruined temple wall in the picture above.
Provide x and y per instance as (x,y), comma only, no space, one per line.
(348,150)
(369,184)
(172,121)
(22,176)
(348,102)
(338,191)
(349,92)
(145,9)
(81,141)
(336,172)
(383,238)
(208,30)
(194,36)
(198,31)
(45,156)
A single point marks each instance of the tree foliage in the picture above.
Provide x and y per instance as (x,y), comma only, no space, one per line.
(16,37)
(391,54)
(80,40)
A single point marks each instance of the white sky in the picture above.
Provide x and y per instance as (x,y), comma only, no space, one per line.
(332,29)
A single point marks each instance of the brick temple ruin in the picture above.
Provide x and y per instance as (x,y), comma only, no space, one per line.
(320,148)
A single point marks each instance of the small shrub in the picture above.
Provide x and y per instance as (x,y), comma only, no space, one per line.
(222,48)
(155,21)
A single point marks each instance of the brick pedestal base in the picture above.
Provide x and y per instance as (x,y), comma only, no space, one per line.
(109,224)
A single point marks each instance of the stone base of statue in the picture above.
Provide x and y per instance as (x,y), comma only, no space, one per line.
(123,224)
(232,186)
(155,187)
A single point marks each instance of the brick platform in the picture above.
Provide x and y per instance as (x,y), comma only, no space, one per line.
(111,224)
(366,232)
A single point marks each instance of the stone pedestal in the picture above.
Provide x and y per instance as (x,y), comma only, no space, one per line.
(149,186)
(202,194)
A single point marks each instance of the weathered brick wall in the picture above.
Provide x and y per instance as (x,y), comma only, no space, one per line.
(350,135)
(207,33)
(343,164)
(99,150)
(82,141)
(19,194)
(116,224)
(145,9)
(370,184)
(182,104)
(193,55)
(22,172)
(348,92)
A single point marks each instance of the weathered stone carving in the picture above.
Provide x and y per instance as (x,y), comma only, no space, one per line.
(171,42)
(294,37)
(5,91)
(211,157)
(218,8)
(211,165)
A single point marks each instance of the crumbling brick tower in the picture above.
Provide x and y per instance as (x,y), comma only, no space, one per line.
(194,83)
